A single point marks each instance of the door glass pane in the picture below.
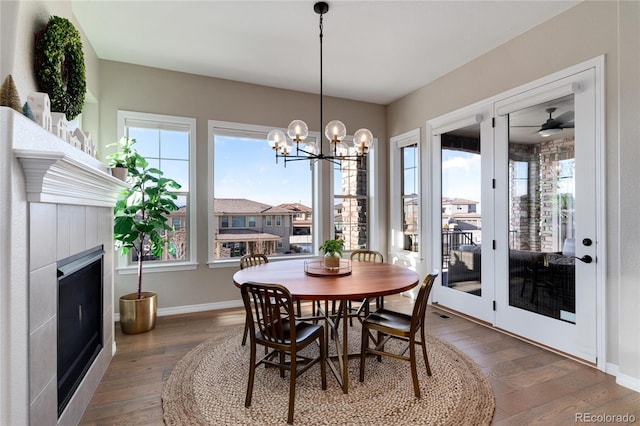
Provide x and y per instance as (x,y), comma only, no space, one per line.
(541,209)
(410,197)
(461,210)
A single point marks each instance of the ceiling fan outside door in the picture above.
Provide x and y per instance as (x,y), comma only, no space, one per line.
(554,125)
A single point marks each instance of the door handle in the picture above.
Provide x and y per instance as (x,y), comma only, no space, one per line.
(586,258)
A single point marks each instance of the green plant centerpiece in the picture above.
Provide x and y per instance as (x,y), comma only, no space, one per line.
(332,253)
(140,225)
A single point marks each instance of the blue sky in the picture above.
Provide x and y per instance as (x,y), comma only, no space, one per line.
(246,168)
(460,175)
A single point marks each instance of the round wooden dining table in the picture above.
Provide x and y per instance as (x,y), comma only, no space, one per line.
(363,280)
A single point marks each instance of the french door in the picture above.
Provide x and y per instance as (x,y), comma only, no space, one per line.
(515,212)
(462,164)
(547,242)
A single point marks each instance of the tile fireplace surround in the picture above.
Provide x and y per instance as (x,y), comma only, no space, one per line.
(56,201)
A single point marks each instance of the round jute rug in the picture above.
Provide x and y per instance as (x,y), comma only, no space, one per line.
(208,386)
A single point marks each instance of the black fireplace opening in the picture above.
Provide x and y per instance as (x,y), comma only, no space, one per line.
(80,290)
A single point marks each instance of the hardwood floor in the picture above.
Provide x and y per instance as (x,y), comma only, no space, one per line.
(531,385)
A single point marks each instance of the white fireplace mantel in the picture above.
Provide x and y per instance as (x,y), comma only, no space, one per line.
(54,177)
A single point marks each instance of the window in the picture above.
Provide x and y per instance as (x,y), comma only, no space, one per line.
(245,179)
(247,183)
(238,221)
(410,160)
(168,143)
(405,193)
(350,198)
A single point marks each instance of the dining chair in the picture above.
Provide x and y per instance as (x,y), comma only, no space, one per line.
(270,309)
(364,256)
(397,325)
(247,260)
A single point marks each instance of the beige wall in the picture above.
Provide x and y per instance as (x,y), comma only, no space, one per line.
(583,32)
(20,20)
(136,88)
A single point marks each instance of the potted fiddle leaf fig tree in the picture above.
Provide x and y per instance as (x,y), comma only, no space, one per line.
(332,253)
(140,226)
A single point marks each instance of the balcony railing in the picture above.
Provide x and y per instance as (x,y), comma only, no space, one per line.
(452,240)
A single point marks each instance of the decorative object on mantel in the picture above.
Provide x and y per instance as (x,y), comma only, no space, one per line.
(86,141)
(9,94)
(59,66)
(140,225)
(26,110)
(332,253)
(74,141)
(59,125)
(41,107)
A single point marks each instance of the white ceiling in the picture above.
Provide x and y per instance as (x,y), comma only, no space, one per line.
(374,51)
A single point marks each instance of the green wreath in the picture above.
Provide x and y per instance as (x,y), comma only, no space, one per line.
(59,66)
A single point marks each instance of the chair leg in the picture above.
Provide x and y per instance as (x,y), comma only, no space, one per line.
(364,345)
(292,388)
(323,363)
(246,331)
(414,369)
(424,352)
(252,373)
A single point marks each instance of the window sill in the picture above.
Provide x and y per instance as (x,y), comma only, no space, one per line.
(235,262)
(150,269)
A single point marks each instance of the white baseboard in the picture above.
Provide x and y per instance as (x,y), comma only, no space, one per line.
(188,309)
(630,382)
(627,381)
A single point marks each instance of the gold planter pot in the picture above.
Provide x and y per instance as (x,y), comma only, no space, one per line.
(138,315)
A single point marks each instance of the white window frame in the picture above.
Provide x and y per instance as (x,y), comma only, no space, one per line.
(127,119)
(221,127)
(396,233)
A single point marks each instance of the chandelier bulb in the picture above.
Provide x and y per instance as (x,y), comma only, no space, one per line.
(363,139)
(298,131)
(276,139)
(335,131)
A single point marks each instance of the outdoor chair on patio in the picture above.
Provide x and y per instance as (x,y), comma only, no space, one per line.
(396,325)
(273,325)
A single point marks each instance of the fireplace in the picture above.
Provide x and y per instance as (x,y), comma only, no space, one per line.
(80,289)
(57,202)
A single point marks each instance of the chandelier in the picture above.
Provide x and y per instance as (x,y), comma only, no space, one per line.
(294,147)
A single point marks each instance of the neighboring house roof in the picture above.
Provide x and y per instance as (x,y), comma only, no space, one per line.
(457,201)
(238,206)
(295,207)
